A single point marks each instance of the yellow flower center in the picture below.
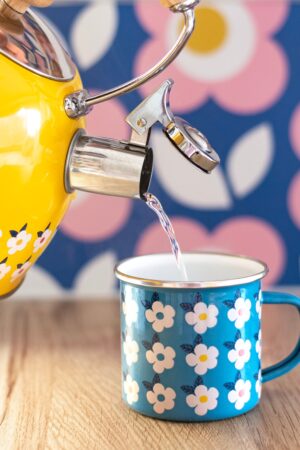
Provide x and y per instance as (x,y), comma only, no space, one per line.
(203,399)
(19,242)
(203,316)
(203,358)
(210,32)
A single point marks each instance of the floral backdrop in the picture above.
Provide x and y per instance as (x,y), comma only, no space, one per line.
(238,81)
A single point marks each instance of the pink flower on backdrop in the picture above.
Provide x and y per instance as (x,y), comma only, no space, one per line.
(94,217)
(232,56)
(294,190)
(245,235)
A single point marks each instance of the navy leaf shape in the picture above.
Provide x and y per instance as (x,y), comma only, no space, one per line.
(238,376)
(156,379)
(147,345)
(238,293)
(229,303)
(147,304)
(155,297)
(187,389)
(198,381)
(238,335)
(229,386)
(4,261)
(123,336)
(198,340)
(40,233)
(13,233)
(256,336)
(187,307)
(255,376)
(155,338)
(187,348)
(229,345)
(198,298)
(148,386)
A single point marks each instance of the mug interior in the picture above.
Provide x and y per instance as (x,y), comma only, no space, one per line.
(203,269)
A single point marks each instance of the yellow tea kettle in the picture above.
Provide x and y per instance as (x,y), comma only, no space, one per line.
(44,152)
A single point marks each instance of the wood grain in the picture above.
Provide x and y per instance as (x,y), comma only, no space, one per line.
(60,387)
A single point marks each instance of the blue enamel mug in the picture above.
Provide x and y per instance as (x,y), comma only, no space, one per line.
(191,350)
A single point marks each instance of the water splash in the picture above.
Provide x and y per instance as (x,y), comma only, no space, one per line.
(156,206)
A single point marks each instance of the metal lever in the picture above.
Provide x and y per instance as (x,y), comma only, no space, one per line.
(80,104)
(192,144)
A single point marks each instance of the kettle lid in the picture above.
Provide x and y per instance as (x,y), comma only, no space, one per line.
(33,45)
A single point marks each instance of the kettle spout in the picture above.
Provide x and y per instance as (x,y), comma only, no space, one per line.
(108,166)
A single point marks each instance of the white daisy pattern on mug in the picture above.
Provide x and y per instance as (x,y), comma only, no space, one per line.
(160,316)
(18,240)
(161,357)
(200,315)
(131,390)
(240,354)
(258,384)
(240,395)
(258,344)
(130,309)
(240,311)
(203,399)
(131,350)
(4,268)
(162,398)
(203,358)
(258,304)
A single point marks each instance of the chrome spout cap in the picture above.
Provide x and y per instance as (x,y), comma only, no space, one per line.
(107,166)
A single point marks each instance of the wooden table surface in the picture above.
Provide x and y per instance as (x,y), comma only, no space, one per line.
(60,386)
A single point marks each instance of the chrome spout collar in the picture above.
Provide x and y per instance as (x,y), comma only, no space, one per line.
(107,166)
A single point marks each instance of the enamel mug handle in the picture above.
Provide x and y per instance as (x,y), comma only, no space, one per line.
(291,361)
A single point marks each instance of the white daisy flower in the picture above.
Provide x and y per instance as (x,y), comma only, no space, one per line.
(131,390)
(240,354)
(42,240)
(203,358)
(18,241)
(161,357)
(241,394)
(203,400)
(160,316)
(240,314)
(131,350)
(258,345)
(258,384)
(20,272)
(202,317)
(258,304)
(162,399)
(130,310)
(4,269)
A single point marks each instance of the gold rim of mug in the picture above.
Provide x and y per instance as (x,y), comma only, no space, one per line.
(138,281)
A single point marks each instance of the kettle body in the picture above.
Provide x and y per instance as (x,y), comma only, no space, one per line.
(35,134)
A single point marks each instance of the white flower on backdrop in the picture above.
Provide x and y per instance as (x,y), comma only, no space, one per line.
(161,398)
(203,358)
(240,354)
(248,163)
(161,357)
(94,31)
(203,400)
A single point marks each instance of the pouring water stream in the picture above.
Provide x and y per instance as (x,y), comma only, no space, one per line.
(156,206)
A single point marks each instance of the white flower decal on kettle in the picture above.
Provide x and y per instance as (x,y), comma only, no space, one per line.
(201,357)
(239,312)
(239,352)
(200,315)
(201,398)
(162,398)
(4,268)
(21,271)
(161,357)
(43,238)
(159,315)
(19,240)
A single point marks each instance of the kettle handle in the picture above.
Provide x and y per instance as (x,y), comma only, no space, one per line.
(76,107)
